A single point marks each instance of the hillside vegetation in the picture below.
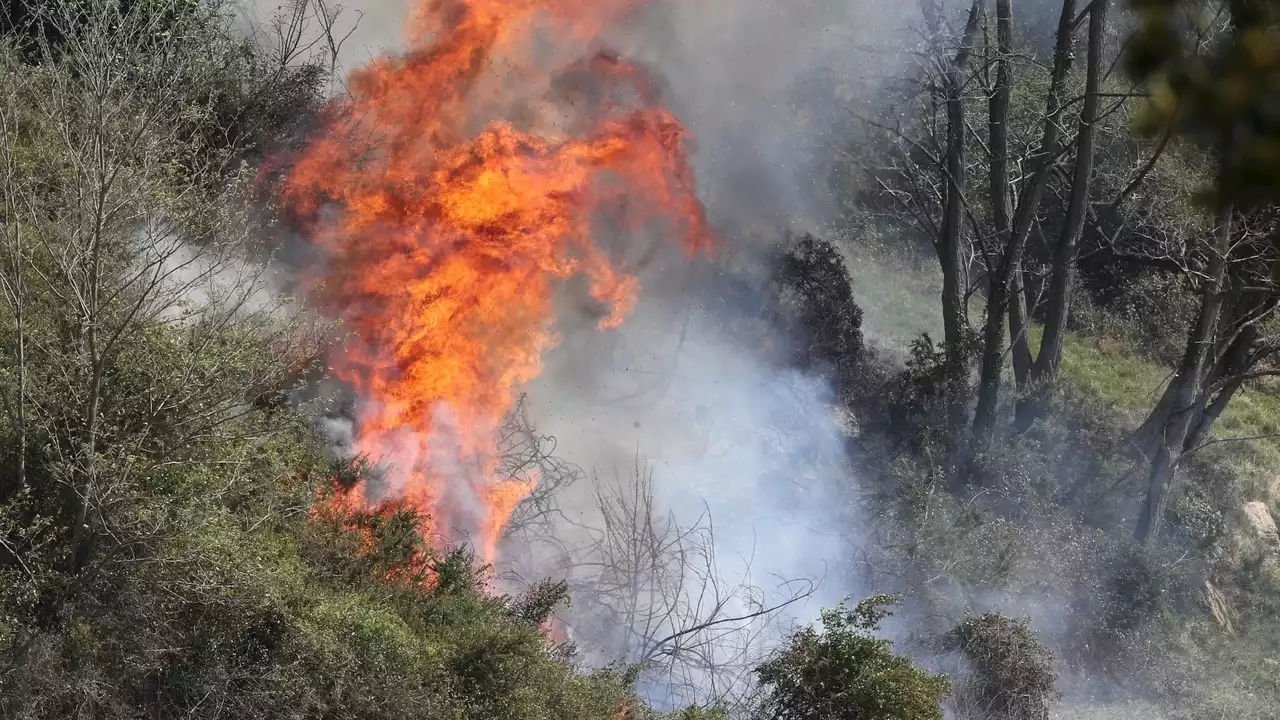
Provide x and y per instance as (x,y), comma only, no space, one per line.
(1049,303)
(1087,431)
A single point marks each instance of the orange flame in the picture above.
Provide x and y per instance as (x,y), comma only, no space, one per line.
(452,195)
(556,631)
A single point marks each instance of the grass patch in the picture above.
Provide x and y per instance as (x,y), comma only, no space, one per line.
(899,302)
(1245,441)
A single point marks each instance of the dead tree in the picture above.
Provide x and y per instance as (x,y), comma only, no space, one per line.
(649,589)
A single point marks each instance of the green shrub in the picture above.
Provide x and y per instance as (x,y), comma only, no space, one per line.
(843,672)
(816,281)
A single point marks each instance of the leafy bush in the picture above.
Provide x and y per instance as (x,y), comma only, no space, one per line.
(843,672)
(818,286)
(914,401)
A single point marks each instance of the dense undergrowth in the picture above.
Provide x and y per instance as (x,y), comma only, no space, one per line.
(164,552)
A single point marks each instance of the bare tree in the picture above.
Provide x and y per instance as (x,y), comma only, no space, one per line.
(1014,222)
(302,32)
(1040,186)
(1228,258)
(650,590)
(1044,373)
(530,458)
(136,225)
(951,211)
(950,238)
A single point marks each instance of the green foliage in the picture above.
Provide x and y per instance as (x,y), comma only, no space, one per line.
(916,398)
(1225,92)
(843,672)
(814,274)
(160,551)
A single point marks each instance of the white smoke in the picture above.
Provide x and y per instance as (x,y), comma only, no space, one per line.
(698,441)
(738,74)
(744,454)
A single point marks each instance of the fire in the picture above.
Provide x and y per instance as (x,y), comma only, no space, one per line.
(556,631)
(452,194)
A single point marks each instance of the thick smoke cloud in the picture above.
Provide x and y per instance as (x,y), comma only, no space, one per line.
(692,389)
(740,74)
(691,393)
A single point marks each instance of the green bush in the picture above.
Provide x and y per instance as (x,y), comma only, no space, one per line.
(817,283)
(843,672)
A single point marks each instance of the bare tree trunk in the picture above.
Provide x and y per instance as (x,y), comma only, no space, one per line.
(1217,386)
(1018,307)
(1044,374)
(1011,233)
(1209,415)
(102,171)
(1002,211)
(1163,468)
(1146,439)
(950,243)
(1178,407)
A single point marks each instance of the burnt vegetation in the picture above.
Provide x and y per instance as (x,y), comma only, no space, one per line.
(1087,435)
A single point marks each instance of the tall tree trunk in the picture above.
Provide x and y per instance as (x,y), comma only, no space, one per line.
(1178,409)
(1011,233)
(1044,375)
(1020,350)
(950,244)
(1002,213)
(1163,468)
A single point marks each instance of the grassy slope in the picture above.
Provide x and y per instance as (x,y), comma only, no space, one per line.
(1114,372)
